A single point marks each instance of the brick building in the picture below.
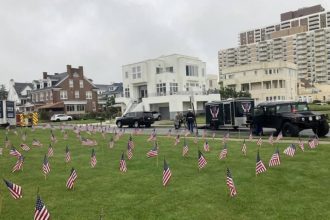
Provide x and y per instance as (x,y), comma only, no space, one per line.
(69,92)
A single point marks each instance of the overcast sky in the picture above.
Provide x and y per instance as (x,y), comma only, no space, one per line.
(103,35)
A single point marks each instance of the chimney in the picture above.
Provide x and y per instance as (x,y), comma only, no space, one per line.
(44,75)
(81,71)
(68,69)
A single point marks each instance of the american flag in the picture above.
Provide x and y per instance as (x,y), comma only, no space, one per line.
(25,147)
(259,142)
(201,160)
(67,154)
(129,152)
(279,136)
(169,132)
(177,140)
(223,152)
(18,165)
(50,151)
(15,190)
(52,137)
(290,151)
(41,212)
(244,148)
(130,142)
(14,152)
(316,140)
(36,143)
(260,167)
(301,145)
(275,159)
(166,174)
(93,159)
(152,136)
(153,152)
(45,166)
(250,136)
(185,149)
(206,146)
(122,164)
(271,139)
(311,143)
(72,178)
(230,184)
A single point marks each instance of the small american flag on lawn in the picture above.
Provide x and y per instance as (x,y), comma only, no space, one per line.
(18,165)
(130,142)
(206,146)
(72,178)
(311,143)
(244,148)
(152,136)
(45,166)
(201,160)
(230,184)
(290,151)
(185,149)
(129,152)
(166,174)
(14,152)
(279,136)
(271,139)
(301,145)
(93,159)
(15,190)
(177,140)
(50,151)
(122,164)
(41,212)
(153,152)
(52,137)
(36,143)
(259,142)
(260,167)
(223,152)
(25,147)
(275,159)
(67,154)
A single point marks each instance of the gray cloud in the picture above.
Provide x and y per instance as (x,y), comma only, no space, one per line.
(103,35)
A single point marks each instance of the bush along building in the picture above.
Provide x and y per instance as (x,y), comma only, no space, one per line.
(69,92)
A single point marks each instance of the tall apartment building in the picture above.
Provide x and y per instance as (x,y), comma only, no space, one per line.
(302,37)
(166,84)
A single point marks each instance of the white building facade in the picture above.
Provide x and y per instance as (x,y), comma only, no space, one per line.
(165,84)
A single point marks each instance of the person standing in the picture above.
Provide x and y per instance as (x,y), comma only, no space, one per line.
(190,118)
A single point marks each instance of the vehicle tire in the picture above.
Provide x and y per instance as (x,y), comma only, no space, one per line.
(158,119)
(58,120)
(322,130)
(290,130)
(69,119)
(119,124)
(136,124)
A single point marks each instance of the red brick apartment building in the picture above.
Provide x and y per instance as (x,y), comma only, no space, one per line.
(69,92)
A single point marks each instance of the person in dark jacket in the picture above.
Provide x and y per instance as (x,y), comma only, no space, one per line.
(190,118)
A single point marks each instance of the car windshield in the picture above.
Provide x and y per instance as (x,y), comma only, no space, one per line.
(300,107)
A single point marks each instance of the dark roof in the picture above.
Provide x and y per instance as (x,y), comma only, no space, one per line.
(118,87)
(19,87)
(277,103)
(58,76)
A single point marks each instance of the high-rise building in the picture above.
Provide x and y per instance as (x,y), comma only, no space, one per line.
(302,37)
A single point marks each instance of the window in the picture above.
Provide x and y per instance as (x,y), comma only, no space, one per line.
(81,84)
(88,94)
(169,69)
(63,94)
(70,108)
(161,89)
(134,72)
(173,88)
(127,92)
(159,70)
(138,72)
(80,108)
(70,83)
(191,70)
(76,94)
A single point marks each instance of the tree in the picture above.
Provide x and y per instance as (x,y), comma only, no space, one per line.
(110,101)
(231,93)
(3,92)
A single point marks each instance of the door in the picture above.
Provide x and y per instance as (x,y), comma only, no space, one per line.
(164,112)
(227,114)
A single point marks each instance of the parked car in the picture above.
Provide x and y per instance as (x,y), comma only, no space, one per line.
(156,115)
(61,117)
(288,117)
(135,119)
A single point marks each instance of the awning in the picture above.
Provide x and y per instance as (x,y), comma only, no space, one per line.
(52,105)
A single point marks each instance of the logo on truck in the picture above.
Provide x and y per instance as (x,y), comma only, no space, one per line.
(246,106)
(214,112)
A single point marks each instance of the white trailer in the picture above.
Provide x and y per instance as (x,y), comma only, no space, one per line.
(7,113)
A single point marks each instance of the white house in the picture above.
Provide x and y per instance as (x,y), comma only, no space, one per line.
(166,84)
(21,94)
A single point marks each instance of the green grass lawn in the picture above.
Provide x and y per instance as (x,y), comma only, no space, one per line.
(297,189)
